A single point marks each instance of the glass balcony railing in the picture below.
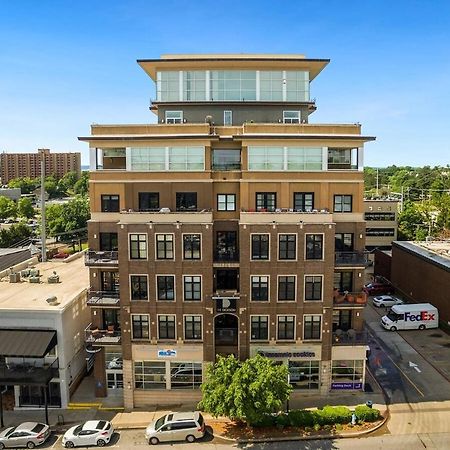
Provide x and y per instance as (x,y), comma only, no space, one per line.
(101,258)
(349,298)
(103,298)
(95,336)
(351,258)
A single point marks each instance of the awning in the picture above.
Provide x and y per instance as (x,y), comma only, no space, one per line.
(26,343)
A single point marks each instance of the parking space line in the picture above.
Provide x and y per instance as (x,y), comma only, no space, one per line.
(58,438)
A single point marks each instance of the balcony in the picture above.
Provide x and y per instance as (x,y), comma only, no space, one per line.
(101,258)
(285,216)
(226,167)
(28,371)
(350,337)
(95,336)
(351,259)
(346,299)
(226,256)
(103,298)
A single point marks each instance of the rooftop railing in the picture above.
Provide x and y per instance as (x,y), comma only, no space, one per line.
(101,258)
(103,298)
(94,335)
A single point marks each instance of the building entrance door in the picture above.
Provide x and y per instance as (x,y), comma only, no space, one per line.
(226,330)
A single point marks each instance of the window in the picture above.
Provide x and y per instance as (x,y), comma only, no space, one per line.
(194,85)
(286,288)
(286,328)
(380,232)
(168,86)
(228,117)
(313,287)
(108,242)
(260,246)
(304,374)
(193,327)
(233,85)
(174,116)
(259,328)
(297,86)
(109,281)
(271,85)
(312,327)
(138,246)
(314,246)
(164,246)
(165,285)
(266,201)
(192,287)
(186,158)
(148,201)
(149,374)
(343,242)
(166,327)
(347,371)
(303,201)
(342,203)
(291,116)
(382,216)
(343,281)
(191,246)
(139,287)
(140,326)
(287,246)
(226,159)
(265,158)
(226,246)
(226,202)
(110,203)
(260,288)
(186,201)
(185,375)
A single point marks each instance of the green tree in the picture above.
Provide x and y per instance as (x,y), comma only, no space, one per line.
(8,208)
(25,208)
(51,187)
(245,391)
(67,216)
(26,184)
(15,233)
(81,187)
(412,223)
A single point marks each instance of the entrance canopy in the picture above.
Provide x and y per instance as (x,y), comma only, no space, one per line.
(26,343)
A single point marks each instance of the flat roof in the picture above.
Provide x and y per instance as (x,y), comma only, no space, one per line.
(73,280)
(435,252)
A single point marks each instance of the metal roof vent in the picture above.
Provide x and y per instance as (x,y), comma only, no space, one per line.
(53,300)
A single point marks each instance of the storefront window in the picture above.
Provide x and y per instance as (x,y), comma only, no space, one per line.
(185,375)
(113,360)
(347,371)
(150,375)
(304,374)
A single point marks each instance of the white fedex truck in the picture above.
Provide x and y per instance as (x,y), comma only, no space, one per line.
(411,317)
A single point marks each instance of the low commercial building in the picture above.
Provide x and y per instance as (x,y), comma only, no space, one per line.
(11,193)
(381,216)
(421,272)
(43,314)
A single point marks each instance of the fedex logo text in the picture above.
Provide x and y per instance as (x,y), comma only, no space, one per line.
(423,315)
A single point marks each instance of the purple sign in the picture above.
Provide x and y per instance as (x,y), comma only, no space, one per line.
(346,386)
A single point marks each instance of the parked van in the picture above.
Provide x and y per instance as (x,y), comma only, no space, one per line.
(411,317)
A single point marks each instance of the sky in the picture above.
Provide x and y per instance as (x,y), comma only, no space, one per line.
(67,64)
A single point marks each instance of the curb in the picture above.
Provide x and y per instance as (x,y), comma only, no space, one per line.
(307,438)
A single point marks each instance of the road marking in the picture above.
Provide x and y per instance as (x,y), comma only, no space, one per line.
(414,366)
(58,438)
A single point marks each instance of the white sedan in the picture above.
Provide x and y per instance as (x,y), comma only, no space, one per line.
(92,432)
(386,301)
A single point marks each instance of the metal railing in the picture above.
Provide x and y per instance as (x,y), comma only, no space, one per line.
(103,298)
(351,258)
(226,256)
(350,337)
(226,167)
(101,258)
(349,298)
(93,335)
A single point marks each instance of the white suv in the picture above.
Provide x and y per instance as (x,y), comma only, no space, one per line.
(187,426)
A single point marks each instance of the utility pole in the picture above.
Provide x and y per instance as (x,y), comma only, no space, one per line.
(43,236)
(401,200)
(377,181)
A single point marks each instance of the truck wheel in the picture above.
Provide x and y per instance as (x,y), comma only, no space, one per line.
(393,328)
(422,327)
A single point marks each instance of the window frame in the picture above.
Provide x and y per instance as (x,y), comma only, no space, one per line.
(110,240)
(140,338)
(286,289)
(140,201)
(193,290)
(252,339)
(343,236)
(178,201)
(303,195)
(192,250)
(287,247)
(159,327)
(252,299)
(323,246)
(131,287)
(193,339)
(165,246)
(252,258)
(109,202)
(312,327)
(320,299)
(342,203)
(292,119)
(228,112)
(174,120)
(139,258)
(294,327)
(226,203)
(165,275)
(265,201)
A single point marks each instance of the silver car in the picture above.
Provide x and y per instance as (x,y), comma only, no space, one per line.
(386,301)
(27,434)
(92,432)
(187,426)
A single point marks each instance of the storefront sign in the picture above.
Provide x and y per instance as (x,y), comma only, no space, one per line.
(286,355)
(226,304)
(346,386)
(168,353)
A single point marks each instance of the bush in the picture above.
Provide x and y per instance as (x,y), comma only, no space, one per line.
(267,421)
(316,427)
(282,420)
(330,415)
(367,414)
(301,418)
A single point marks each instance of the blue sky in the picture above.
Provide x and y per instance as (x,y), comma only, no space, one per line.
(65,65)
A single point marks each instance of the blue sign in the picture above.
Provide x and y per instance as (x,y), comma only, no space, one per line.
(168,353)
(346,386)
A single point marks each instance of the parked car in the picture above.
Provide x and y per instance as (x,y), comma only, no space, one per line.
(92,432)
(186,426)
(27,434)
(386,301)
(378,288)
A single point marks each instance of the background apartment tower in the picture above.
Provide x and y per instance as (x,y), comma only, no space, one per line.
(232,226)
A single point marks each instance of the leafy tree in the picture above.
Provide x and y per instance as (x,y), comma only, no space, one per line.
(81,187)
(26,184)
(67,182)
(15,233)
(245,391)
(51,187)
(8,208)
(412,223)
(25,208)
(67,216)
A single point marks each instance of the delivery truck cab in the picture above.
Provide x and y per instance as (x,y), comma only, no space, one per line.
(411,317)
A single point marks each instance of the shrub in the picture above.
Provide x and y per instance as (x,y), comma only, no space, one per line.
(316,427)
(267,421)
(367,414)
(330,415)
(282,420)
(301,418)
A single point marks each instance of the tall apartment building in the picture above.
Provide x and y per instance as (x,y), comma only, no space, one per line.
(232,226)
(18,165)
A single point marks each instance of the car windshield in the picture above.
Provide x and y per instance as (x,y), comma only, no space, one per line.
(77,430)
(160,422)
(38,428)
(101,424)
(10,431)
(200,419)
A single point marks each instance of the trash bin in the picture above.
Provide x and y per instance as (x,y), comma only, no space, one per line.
(369,403)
